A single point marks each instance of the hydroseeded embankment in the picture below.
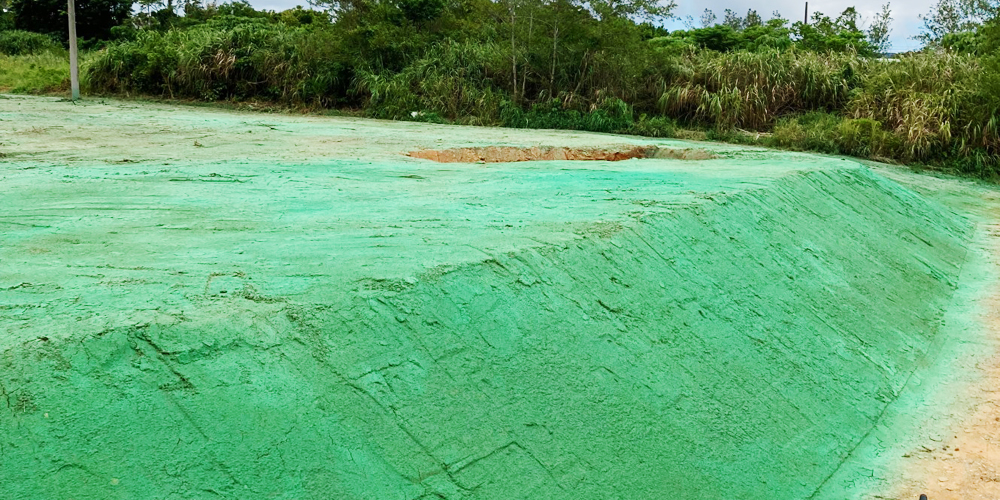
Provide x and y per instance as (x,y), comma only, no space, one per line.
(739,347)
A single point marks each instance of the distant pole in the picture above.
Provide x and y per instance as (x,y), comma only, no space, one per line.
(806,21)
(74,67)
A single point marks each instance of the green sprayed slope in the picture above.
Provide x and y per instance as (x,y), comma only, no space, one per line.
(738,348)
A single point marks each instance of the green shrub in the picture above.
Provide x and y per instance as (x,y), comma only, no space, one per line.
(17,42)
(656,126)
(815,131)
(865,137)
(612,115)
(978,163)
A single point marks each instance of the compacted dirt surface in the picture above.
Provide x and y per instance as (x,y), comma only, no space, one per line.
(507,154)
(197,303)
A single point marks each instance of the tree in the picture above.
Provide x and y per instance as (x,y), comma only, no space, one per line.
(733,20)
(94,18)
(708,18)
(340,8)
(955,16)
(824,34)
(880,29)
(752,19)
(6,16)
(149,6)
(512,7)
(719,37)
(420,11)
(848,20)
(648,10)
(773,34)
(989,34)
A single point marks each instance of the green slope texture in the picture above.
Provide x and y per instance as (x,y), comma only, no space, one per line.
(712,337)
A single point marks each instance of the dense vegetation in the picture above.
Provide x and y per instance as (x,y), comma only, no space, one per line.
(603,66)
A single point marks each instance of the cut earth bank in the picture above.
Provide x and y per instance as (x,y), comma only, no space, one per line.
(201,304)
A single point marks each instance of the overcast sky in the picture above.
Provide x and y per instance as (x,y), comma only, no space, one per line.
(905,22)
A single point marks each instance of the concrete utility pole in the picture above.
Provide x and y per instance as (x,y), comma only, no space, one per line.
(806,21)
(74,67)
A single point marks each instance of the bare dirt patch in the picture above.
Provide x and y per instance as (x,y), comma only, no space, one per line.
(506,154)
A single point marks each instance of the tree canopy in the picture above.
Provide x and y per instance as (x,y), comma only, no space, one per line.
(94,18)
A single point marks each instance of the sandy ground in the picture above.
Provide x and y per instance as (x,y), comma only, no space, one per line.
(965,463)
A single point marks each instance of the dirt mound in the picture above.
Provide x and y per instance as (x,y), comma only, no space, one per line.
(506,154)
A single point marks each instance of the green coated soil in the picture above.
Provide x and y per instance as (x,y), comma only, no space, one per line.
(206,304)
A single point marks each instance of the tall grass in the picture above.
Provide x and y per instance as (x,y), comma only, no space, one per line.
(933,102)
(454,80)
(32,63)
(752,89)
(248,60)
(926,107)
(921,108)
(42,73)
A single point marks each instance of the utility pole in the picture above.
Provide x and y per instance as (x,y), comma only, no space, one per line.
(806,20)
(74,67)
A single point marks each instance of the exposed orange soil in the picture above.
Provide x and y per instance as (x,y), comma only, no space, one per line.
(505,154)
